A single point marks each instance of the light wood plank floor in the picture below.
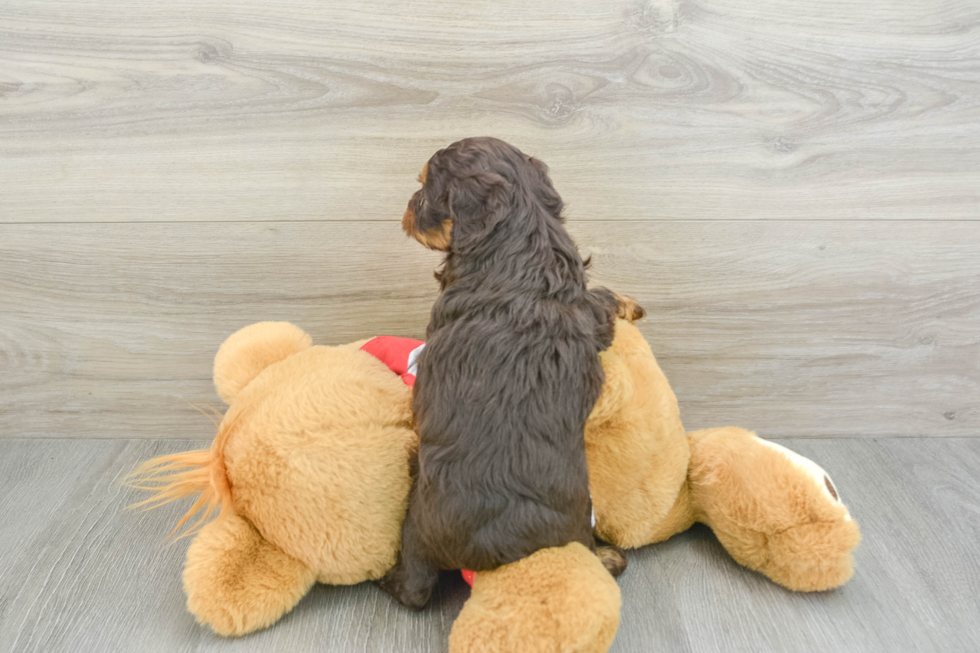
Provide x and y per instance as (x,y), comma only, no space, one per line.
(78,572)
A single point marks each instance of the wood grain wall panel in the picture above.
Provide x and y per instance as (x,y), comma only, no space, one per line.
(795,329)
(717,109)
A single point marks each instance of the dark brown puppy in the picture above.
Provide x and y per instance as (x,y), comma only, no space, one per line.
(509,374)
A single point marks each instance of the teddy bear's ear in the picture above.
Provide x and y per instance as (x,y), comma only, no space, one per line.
(250,350)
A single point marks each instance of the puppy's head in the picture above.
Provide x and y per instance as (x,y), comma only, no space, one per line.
(471,187)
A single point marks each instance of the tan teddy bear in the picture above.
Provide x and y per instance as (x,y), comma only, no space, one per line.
(309,475)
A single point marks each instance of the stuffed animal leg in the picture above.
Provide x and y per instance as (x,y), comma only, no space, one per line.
(237,582)
(774,511)
(558,600)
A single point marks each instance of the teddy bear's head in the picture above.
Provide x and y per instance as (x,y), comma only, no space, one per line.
(314,448)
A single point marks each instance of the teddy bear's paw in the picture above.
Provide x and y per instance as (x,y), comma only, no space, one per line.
(815,554)
(237,582)
(813,557)
(774,510)
(811,470)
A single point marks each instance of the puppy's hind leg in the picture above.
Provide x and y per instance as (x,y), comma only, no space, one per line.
(412,579)
(612,558)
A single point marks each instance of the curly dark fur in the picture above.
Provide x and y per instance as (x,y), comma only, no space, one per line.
(509,374)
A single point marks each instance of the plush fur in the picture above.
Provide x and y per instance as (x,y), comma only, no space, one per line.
(556,600)
(766,512)
(237,581)
(509,374)
(310,474)
(244,355)
(299,434)
(773,510)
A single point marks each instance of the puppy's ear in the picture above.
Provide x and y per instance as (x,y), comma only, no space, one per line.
(477,203)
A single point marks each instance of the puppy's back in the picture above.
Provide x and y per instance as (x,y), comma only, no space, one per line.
(501,415)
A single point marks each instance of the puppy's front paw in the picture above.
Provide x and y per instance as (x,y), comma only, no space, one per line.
(628,308)
(412,595)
